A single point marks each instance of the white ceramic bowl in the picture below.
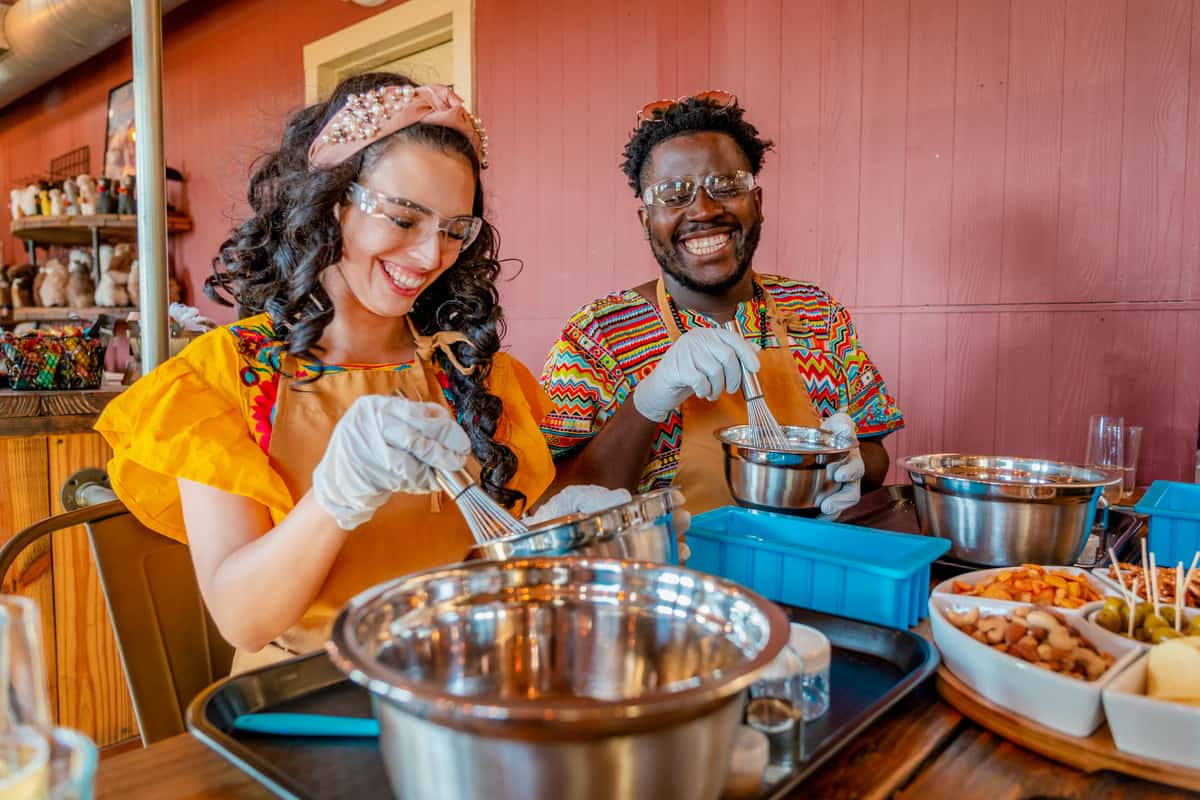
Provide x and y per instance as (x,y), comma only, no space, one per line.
(1101,574)
(1065,704)
(1088,613)
(946,587)
(1150,727)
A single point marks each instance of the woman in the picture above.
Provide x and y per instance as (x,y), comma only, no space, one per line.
(294,451)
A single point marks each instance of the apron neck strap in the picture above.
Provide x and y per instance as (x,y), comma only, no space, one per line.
(443,341)
(674,331)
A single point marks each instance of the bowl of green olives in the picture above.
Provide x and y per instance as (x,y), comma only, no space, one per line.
(1112,614)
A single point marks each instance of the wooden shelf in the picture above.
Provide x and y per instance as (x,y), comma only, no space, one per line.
(78,230)
(58,313)
(24,413)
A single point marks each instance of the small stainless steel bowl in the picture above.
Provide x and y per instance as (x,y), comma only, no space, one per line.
(789,480)
(1001,511)
(548,678)
(639,530)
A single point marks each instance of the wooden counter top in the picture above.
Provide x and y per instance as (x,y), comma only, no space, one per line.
(45,412)
(920,749)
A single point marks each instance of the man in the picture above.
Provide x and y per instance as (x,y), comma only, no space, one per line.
(640,379)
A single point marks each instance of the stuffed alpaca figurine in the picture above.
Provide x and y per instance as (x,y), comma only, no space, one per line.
(29,201)
(87,194)
(112,290)
(20,276)
(122,257)
(44,202)
(126,200)
(71,194)
(58,205)
(114,277)
(14,204)
(81,290)
(106,255)
(53,289)
(105,202)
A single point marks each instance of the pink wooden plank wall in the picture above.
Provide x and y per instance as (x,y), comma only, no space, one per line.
(1006,194)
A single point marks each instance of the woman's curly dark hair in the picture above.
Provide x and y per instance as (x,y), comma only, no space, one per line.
(273,262)
(691,116)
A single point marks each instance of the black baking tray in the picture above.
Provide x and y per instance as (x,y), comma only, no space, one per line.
(872,668)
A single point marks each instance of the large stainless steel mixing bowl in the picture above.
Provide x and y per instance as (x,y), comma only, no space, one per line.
(1001,511)
(781,480)
(639,530)
(587,679)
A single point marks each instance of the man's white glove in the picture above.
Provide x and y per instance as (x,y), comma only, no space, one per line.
(578,500)
(705,362)
(382,445)
(848,472)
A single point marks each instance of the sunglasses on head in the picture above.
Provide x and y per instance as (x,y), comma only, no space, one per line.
(654,112)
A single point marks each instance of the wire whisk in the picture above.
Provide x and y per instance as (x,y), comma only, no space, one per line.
(765,432)
(486,518)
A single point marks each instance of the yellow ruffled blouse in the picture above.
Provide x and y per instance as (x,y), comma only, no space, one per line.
(206,415)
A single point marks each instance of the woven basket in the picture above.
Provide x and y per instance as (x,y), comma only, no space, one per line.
(45,362)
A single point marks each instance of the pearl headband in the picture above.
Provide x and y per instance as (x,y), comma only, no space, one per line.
(367,118)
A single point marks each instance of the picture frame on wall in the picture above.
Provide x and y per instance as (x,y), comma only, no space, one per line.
(119,135)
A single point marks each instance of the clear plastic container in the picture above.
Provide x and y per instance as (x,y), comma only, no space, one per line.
(813,648)
(775,709)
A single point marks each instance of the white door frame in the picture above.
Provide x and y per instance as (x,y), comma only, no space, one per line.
(390,35)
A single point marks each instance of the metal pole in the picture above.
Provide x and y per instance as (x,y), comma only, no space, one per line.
(151,180)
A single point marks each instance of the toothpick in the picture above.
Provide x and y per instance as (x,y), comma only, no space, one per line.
(1145,561)
(1131,607)
(1152,583)
(1187,578)
(1178,594)
(1121,580)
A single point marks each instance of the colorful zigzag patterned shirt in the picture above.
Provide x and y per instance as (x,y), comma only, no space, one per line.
(609,345)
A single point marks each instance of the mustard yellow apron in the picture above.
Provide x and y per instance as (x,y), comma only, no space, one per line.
(700,473)
(407,534)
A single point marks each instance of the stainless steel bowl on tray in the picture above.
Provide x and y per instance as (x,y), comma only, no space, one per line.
(1001,511)
(791,480)
(639,530)
(548,678)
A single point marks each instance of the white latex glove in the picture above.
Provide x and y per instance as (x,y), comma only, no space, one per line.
(579,499)
(706,362)
(385,444)
(848,472)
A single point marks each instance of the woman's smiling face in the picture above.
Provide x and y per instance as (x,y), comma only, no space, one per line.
(383,266)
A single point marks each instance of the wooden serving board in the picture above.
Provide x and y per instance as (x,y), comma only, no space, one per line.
(1093,754)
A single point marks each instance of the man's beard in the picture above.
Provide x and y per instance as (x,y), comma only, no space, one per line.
(744,246)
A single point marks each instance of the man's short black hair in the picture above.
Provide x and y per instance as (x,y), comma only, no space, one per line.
(691,116)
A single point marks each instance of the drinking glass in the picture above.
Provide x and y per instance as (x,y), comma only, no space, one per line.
(24,700)
(1133,445)
(1106,451)
(24,704)
(73,760)
(37,760)
(776,709)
